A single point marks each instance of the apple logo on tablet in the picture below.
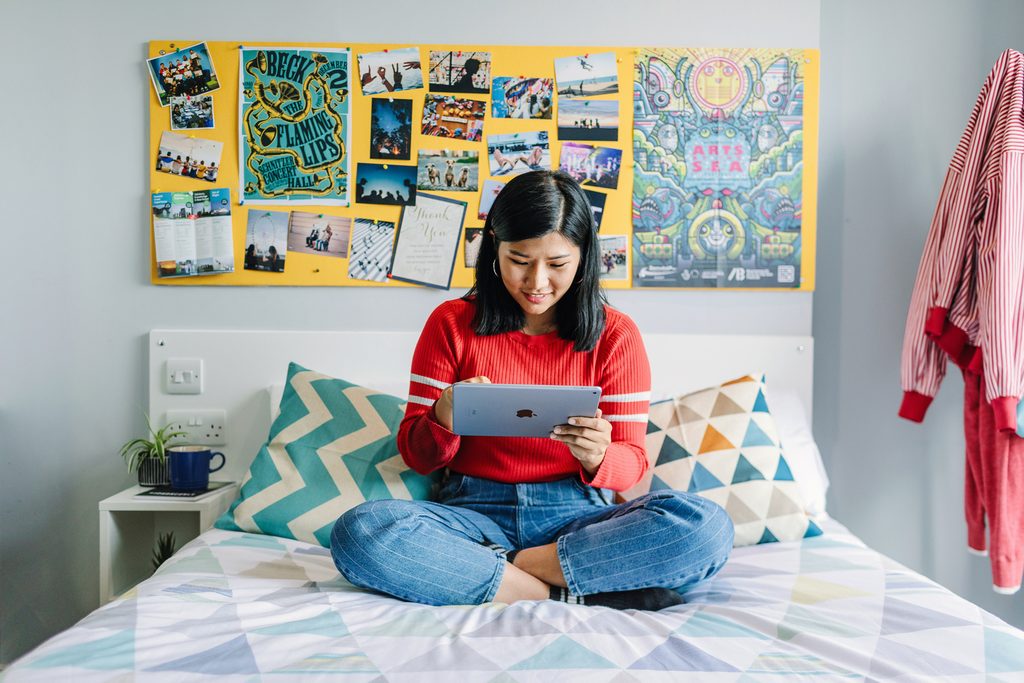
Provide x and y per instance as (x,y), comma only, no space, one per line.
(525,412)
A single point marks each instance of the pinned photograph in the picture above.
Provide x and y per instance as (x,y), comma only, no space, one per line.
(588,120)
(597,200)
(386,184)
(587,75)
(188,71)
(445,116)
(189,157)
(319,234)
(390,71)
(492,188)
(458,71)
(450,170)
(390,129)
(518,152)
(522,98)
(613,257)
(188,112)
(589,165)
(372,244)
(266,240)
(474,237)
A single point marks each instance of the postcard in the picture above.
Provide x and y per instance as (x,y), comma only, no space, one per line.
(474,237)
(587,75)
(518,153)
(390,70)
(191,111)
(460,71)
(491,190)
(588,120)
(372,243)
(448,170)
(597,200)
(390,128)
(319,234)
(189,157)
(613,257)
(386,184)
(188,71)
(522,98)
(445,116)
(266,239)
(589,165)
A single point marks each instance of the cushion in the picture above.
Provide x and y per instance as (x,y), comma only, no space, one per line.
(723,443)
(332,446)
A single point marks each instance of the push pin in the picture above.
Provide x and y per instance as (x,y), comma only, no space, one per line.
(316,270)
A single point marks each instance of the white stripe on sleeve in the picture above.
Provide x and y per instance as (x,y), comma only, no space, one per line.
(642,417)
(429,381)
(422,401)
(626,398)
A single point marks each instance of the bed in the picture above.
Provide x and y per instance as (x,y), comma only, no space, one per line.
(234,605)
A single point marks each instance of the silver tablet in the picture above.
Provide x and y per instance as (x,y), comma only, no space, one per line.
(518,409)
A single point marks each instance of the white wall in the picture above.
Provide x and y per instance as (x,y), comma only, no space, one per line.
(75,290)
(898,83)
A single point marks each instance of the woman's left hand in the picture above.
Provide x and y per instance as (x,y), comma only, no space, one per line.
(587,438)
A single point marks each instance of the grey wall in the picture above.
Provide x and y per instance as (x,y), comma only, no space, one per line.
(898,83)
(898,80)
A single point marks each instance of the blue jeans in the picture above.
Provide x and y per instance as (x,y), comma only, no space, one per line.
(453,552)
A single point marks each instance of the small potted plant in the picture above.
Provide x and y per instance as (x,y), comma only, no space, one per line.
(149,456)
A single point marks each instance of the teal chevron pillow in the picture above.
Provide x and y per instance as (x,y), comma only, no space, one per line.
(332,447)
(722,443)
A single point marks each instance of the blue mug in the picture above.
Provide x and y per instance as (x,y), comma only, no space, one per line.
(190,467)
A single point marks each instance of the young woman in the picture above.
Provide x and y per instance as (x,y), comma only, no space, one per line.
(532,518)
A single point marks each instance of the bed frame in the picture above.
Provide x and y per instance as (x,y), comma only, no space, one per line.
(239,367)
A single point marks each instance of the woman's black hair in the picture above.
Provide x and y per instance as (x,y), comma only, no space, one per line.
(532,205)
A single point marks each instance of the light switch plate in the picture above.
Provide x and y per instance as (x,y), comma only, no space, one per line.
(183,375)
(204,427)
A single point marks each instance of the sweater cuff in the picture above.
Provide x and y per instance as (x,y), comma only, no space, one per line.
(935,323)
(1004,409)
(447,441)
(952,341)
(914,406)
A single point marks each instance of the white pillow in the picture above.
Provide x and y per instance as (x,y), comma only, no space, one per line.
(801,451)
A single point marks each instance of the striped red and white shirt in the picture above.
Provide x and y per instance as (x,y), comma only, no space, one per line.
(968,294)
(449,351)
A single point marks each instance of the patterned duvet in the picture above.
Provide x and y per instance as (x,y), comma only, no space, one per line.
(232,606)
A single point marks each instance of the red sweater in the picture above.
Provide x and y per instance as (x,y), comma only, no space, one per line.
(449,351)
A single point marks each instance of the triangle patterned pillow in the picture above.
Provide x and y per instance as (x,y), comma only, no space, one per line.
(722,443)
(333,446)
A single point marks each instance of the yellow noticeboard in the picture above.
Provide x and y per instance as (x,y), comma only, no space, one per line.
(310,269)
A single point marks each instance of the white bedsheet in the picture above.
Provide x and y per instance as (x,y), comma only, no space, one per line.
(240,607)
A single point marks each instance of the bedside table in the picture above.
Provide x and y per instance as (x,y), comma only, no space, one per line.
(130,526)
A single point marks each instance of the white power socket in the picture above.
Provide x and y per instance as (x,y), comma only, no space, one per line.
(203,427)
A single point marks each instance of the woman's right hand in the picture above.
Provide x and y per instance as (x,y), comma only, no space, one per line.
(443,405)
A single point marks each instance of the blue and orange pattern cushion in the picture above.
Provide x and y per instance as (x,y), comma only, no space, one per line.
(722,443)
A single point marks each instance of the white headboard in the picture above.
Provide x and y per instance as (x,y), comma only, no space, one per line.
(240,365)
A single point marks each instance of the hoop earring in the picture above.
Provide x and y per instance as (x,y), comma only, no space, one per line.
(494,267)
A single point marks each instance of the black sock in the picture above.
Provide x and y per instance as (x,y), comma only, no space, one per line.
(511,556)
(651,599)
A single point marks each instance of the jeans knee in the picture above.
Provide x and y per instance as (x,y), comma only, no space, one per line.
(699,524)
(360,533)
